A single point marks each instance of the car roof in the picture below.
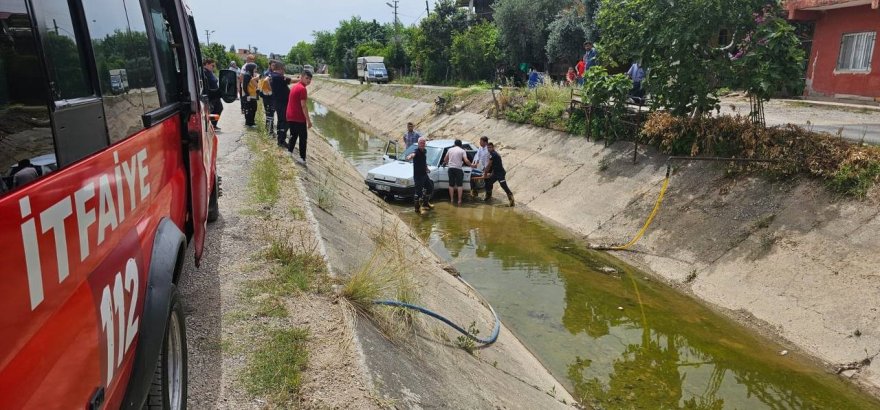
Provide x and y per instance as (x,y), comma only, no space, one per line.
(445,143)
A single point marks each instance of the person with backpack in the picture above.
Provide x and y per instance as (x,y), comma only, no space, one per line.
(264,89)
(249,85)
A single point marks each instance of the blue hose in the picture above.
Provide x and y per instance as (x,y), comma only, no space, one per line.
(437,316)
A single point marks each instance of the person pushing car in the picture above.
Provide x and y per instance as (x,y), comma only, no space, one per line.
(420,177)
(455,159)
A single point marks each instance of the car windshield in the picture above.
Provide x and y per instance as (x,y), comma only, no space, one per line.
(375,66)
(433,154)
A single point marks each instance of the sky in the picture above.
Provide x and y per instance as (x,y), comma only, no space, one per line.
(276,25)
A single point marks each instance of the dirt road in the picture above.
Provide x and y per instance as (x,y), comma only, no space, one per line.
(230,313)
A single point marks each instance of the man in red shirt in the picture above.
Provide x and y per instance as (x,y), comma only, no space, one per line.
(298,115)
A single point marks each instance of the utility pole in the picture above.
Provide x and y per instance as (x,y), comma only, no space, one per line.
(427,8)
(208,35)
(394,6)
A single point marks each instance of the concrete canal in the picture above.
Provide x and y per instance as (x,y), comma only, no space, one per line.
(613,336)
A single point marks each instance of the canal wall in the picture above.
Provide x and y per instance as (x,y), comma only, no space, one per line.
(417,362)
(785,257)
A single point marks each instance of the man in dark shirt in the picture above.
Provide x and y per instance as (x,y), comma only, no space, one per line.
(280,94)
(213,91)
(496,174)
(420,177)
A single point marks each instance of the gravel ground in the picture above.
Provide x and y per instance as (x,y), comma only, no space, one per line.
(223,330)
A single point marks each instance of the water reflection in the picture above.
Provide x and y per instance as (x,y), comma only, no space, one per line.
(614,338)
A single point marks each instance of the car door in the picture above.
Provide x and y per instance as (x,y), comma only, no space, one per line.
(441,181)
(390,152)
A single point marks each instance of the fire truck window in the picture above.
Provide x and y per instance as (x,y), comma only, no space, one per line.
(27,150)
(67,74)
(160,17)
(125,70)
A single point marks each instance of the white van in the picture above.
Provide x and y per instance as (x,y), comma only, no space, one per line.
(372,70)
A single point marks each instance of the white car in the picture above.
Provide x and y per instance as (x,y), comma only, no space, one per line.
(394,179)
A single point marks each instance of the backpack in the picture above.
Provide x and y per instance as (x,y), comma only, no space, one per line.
(265,86)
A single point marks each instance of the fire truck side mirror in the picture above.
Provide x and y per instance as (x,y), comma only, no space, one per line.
(228,81)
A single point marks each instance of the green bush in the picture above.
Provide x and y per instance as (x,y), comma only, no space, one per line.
(523,113)
(855,181)
(549,116)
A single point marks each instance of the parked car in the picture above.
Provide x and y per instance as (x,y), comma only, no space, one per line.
(394,179)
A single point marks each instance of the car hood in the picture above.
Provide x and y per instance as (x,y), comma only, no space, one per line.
(391,171)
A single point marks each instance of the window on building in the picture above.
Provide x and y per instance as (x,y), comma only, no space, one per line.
(27,149)
(125,69)
(856,50)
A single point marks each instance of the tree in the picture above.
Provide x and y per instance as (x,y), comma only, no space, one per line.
(523,25)
(232,48)
(678,44)
(348,36)
(769,60)
(301,53)
(476,52)
(567,33)
(322,48)
(216,52)
(430,45)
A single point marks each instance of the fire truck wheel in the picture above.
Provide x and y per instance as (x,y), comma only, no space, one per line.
(214,201)
(168,391)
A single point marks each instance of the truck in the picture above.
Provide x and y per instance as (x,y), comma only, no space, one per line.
(372,69)
(106,195)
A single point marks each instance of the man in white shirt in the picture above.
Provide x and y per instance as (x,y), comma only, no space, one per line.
(455,159)
(481,161)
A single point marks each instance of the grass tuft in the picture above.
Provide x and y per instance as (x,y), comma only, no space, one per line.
(276,367)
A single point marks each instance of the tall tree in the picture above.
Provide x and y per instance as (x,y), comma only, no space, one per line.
(300,54)
(476,52)
(524,28)
(678,43)
(431,44)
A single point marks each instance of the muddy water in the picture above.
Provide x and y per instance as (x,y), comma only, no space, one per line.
(612,336)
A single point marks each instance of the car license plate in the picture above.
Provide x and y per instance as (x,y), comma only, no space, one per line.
(383,188)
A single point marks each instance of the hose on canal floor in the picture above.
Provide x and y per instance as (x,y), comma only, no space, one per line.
(491,339)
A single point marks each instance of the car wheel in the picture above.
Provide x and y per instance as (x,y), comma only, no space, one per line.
(214,201)
(168,391)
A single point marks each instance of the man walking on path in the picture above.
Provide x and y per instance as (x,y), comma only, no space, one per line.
(481,161)
(298,115)
(455,159)
(420,176)
(280,94)
(496,174)
(410,137)
(213,91)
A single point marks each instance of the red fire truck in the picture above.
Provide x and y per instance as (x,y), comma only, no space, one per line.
(107,172)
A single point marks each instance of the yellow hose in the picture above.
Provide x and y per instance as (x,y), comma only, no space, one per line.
(647,222)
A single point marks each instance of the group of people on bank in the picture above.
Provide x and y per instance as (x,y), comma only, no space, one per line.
(284,101)
(487,166)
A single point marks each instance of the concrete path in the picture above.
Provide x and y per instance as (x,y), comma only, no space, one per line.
(853,122)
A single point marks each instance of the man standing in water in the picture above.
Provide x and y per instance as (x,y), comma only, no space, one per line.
(420,176)
(481,160)
(455,159)
(496,174)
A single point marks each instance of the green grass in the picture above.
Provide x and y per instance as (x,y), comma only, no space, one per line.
(855,181)
(264,174)
(270,306)
(326,196)
(298,268)
(276,367)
